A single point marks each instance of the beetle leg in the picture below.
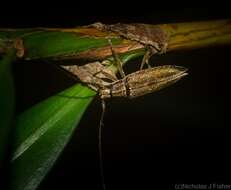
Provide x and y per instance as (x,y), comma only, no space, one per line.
(148,54)
(117,60)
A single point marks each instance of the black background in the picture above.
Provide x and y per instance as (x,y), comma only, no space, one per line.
(179,135)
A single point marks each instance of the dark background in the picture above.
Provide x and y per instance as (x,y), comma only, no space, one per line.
(179,135)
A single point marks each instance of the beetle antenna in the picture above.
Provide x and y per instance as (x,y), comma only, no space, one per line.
(100,144)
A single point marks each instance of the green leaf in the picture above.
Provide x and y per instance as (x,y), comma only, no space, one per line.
(6,100)
(45,44)
(42,132)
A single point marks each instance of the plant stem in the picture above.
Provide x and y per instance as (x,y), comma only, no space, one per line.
(193,35)
(89,43)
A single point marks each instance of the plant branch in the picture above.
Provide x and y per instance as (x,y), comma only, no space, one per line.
(89,43)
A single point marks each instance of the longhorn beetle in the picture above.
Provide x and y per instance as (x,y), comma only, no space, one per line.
(133,85)
(154,38)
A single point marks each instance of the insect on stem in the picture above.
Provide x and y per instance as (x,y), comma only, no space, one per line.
(153,38)
(133,85)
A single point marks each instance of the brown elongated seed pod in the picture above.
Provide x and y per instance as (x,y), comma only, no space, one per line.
(143,82)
